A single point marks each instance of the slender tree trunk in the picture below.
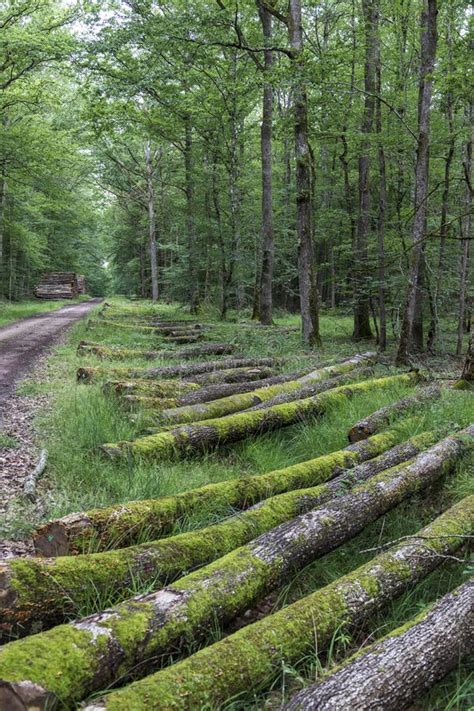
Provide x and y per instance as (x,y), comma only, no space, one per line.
(3,203)
(412,316)
(309,297)
(466,232)
(151,220)
(361,265)
(266,301)
(382,338)
(193,286)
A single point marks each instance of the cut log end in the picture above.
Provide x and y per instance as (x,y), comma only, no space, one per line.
(25,696)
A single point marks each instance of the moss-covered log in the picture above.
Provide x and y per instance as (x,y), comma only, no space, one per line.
(107,352)
(395,671)
(381,418)
(199,436)
(229,404)
(232,375)
(125,524)
(205,394)
(153,388)
(183,338)
(172,371)
(47,589)
(252,657)
(93,652)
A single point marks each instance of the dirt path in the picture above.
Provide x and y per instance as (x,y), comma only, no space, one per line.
(23,347)
(23,341)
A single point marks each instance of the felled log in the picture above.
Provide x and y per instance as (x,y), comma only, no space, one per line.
(118,353)
(199,436)
(183,338)
(231,375)
(55,589)
(394,672)
(206,393)
(381,418)
(94,651)
(229,404)
(252,657)
(121,525)
(155,388)
(173,371)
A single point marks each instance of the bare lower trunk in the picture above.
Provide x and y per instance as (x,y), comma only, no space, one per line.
(412,316)
(150,171)
(193,286)
(265,301)
(467,233)
(394,672)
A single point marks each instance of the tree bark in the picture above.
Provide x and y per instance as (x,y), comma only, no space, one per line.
(193,286)
(309,297)
(200,436)
(394,672)
(100,529)
(467,232)
(150,174)
(159,388)
(412,317)
(244,401)
(382,336)
(173,371)
(361,263)
(232,375)
(266,283)
(381,418)
(58,590)
(253,656)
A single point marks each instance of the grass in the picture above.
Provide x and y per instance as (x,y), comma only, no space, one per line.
(80,478)
(10,312)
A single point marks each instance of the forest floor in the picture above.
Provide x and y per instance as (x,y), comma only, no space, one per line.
(72,420)
(23,346)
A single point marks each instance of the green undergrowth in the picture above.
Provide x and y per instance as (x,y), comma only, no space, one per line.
(79,478)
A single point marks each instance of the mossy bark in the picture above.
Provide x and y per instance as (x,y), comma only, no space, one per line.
(381,418)
(157,389)
(119,353)
(210,392)
(126,524)
(59,586)
(232,375)
(173,371)
(305,386)
(252,657)
(395,671)
(93,652)
(200,436)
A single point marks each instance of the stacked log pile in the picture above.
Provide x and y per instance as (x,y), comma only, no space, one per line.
(266,527)
(60,285)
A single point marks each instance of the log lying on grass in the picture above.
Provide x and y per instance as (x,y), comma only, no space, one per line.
(93,652)
(121,525)
(394,672)
(252,657)
(173,371)
(157,389)
(108,352)
(231,375)
(207,393)
(381,418)
(229,404)
(199,436)
(181,339)
(54,587)
(156,329)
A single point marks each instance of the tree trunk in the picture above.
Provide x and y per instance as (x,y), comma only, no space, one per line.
(393,673)
(232,375)
(150,173)
(117,353)
(259,650)
(412,316)
(193,286)
(201,436)
(100,529)
(467,232)
(244,401)
(361,264)
(382,336)
(381,418)
(468,369)
(293,527)
(173,371)
(159,388)
(265,300)
(309,297)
